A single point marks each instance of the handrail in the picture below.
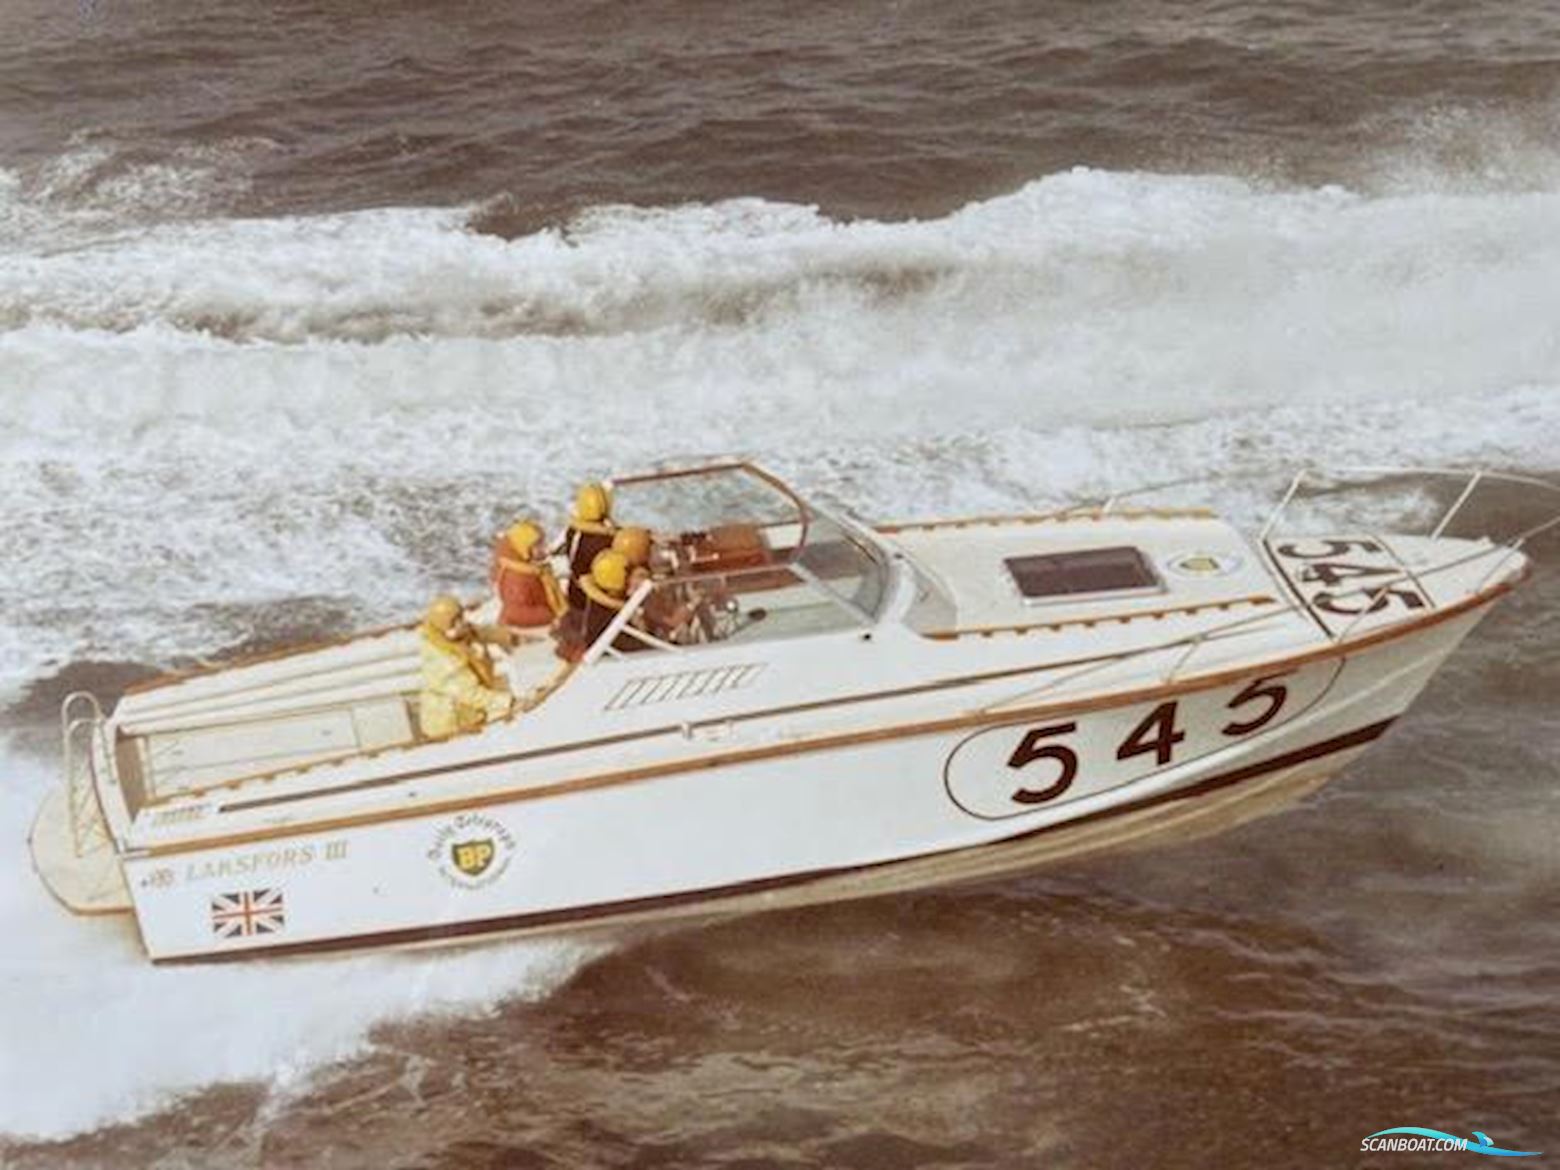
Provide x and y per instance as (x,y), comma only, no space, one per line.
(1477,476)
(1294,486)
(80,773)
(1456,507)
(1094,511)
(1499,552)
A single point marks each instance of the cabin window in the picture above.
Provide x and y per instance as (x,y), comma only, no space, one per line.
(1096,570)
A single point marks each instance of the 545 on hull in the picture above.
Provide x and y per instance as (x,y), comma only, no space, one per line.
(877,708)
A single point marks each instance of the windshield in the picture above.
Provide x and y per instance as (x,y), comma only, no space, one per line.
(712,498)
(739,556)
(843,564)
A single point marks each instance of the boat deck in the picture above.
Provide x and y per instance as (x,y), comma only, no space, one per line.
(1199,562)
(281,714)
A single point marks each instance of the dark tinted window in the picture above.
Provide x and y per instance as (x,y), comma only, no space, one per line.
(1095,570)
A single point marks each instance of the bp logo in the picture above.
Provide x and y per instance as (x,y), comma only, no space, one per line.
(472,851)
(472,858)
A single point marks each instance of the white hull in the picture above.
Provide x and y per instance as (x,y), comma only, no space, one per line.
(749,776)
(788,829)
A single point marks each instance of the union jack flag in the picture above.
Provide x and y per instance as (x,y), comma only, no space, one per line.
(248,913)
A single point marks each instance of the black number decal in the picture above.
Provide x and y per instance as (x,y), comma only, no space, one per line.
(1266,689)
(1333,548)
(1032,748)
(1155,734)
(1336,572)
(1374,601)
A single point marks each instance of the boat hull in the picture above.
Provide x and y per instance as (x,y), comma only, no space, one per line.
(894,806)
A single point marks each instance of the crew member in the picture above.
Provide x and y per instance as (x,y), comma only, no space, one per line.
(460,690)
(606,592)
(634,543)
(529,594)
(590,532)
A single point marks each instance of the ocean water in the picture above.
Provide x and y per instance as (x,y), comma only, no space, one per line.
(298,306)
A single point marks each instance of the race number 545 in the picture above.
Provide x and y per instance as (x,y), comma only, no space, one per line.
(1009,770)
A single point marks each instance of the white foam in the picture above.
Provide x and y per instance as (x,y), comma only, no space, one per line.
(242,472)
(99,186)
(94,1033)
(207,421)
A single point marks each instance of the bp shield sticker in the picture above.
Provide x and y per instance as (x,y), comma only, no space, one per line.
(472,851)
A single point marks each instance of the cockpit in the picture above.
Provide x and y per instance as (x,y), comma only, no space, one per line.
(736,555)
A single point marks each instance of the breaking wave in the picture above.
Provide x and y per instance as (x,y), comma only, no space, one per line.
(221,430)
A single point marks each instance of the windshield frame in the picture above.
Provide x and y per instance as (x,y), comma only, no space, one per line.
(808,520)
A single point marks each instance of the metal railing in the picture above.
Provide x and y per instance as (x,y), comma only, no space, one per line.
(1331,479)
(79,735)
(1499,550)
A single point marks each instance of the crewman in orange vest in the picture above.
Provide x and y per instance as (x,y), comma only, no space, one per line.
(590,532)
(529,594)
(460,690)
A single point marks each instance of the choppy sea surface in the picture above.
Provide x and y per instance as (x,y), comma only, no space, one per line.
(299,302)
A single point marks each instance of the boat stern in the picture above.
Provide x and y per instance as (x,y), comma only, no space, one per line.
(72,844)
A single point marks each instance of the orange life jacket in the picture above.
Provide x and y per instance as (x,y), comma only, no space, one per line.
(529,594)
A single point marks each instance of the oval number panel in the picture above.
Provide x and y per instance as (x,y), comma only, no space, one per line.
(1021,767)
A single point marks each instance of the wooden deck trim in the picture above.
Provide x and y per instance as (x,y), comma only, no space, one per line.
(1120,618)
(1061,516)
(820,743)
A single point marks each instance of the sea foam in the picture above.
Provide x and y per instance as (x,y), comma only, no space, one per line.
(211,425)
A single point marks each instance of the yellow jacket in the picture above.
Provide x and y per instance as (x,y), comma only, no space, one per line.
(459,692)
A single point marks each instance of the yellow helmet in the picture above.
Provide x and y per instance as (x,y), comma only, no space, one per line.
(523,536)
(634,544)
(610,571)
(592,503)
(443,612)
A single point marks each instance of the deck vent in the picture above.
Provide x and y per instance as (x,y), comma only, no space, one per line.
(1096,570)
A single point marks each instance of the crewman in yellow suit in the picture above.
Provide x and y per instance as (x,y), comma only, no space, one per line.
(590,532)
(460,690)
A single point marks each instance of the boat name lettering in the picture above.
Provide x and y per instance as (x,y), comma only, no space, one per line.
(264,861)
(1006,771)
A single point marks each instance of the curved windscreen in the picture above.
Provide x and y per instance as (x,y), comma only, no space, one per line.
(739,556)
(709,499)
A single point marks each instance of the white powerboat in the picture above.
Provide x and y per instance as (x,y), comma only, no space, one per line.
(847,710)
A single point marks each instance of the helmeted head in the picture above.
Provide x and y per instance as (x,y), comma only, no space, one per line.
(525,538)
(609,571)
(634,544)
(446,615)
(593,503)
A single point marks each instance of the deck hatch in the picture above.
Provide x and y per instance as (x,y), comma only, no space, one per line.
(1115,570)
